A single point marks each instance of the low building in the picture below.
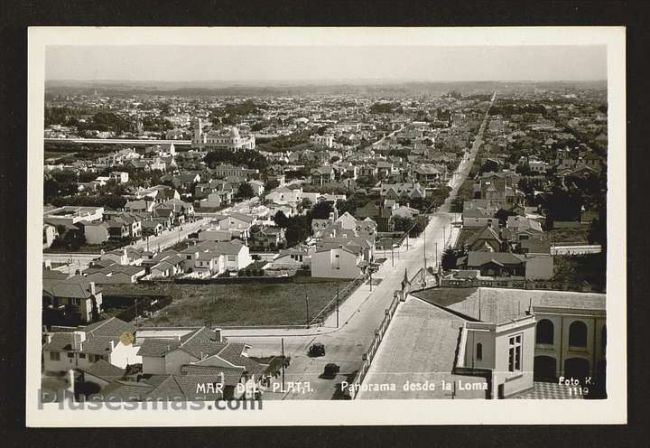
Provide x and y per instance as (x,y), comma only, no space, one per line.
(341,262)
(110,340)
(73,299)
(516,337)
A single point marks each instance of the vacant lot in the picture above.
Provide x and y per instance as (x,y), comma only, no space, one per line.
(577,234)
(253,303)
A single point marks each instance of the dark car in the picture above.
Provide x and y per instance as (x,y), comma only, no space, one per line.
(331,370)
(317,349)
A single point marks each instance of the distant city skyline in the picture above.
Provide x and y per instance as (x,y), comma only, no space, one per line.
(255,64)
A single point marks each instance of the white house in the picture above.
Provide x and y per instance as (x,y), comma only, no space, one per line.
(284,195)
(111,340)
(341,262)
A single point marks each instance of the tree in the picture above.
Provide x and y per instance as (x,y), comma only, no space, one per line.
(322,210)
(489,166)
(401,224)
(271,184)
(563,205)
(524,169)
(502,215)
(281,219)
(245,191)
(449,259)
(598,229)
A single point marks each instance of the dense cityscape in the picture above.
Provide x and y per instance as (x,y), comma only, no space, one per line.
(421,240)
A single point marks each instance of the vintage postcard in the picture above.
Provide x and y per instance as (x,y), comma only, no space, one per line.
(326,226)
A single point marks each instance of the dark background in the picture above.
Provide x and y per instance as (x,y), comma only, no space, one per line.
(16,16)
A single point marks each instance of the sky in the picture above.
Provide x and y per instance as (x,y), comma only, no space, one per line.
(242,64)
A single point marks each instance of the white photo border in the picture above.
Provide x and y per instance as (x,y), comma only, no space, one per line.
(612,410)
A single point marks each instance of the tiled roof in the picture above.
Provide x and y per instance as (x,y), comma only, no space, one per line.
(203,342)
(105,370)
(157,347)
(126,391)
(200,343)
(59,342)
(486,232)
(109,327)
(475,259)
(74,287)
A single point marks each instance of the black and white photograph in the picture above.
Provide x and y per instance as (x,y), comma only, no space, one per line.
(334,226)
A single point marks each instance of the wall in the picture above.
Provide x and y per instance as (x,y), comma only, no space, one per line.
(123,355)
(539,266)
(323,264)
(514,382)
(244,258)
(175,359)
(487,339)
(560,349)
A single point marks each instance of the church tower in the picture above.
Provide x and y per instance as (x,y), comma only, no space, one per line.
(198,139)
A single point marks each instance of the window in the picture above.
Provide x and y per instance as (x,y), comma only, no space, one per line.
(578,334)
(544,332)
(55,356)
(70,354)
(82,355)
(479,351)
(514,354)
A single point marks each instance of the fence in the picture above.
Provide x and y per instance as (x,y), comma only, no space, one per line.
(232,280)
(143,306)
(514,284)
(341,297)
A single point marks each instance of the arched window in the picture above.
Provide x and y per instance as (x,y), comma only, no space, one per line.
(544,332)
(479,351)
(578,334)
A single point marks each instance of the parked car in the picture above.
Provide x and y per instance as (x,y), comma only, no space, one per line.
(317,349)
(331,370)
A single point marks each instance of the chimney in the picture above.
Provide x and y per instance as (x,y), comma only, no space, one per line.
(92,288)
(112,346)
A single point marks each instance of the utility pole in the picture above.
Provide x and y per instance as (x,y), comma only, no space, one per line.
(370,271)
(436,253)
(392,254)
(307,303)
(282,342)
(424,248)
(337,306)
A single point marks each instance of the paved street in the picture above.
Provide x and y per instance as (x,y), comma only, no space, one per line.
(170,237)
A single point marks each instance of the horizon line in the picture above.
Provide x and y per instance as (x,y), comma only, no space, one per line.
(311,81)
